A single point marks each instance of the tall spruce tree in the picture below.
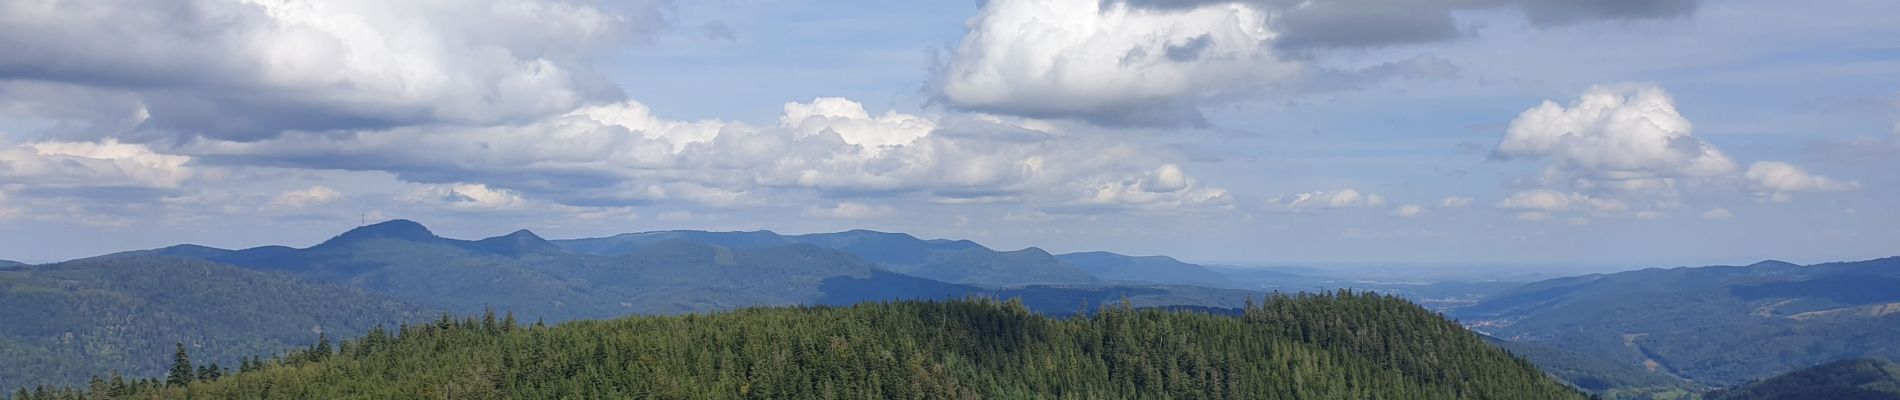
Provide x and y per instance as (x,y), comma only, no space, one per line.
(321,350)
(181,374)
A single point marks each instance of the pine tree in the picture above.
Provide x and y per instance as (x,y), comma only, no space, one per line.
(321,350)
(488,321)
(181,374)
(119,388)
(97,388)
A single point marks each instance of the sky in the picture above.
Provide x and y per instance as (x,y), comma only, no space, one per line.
(1609,133)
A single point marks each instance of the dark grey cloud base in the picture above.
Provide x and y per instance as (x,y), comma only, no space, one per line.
(1307,24)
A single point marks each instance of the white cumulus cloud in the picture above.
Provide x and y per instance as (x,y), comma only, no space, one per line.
(1324,200)
(1144,193)
(255,68)
(1777,181)
(849,121)
(1615,138)
(1626,147)
(101,164)
(1109,62)
(1166,178)
(469,197)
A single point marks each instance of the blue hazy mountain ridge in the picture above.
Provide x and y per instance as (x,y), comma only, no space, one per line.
(963,261)
(1271,278)
(955,261)
(1157,269)
(404,259)
(681,271)
(261,300)
(1434,292)
(1717,326)
(10,263)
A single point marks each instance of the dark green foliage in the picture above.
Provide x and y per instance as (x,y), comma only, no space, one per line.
(181,373)
(1046,300)
(63,323)
(1861,379)
(1716,326)
(1597,374)
(1334,346)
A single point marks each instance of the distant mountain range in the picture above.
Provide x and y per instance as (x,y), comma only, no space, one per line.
(1623,335)
(85,315)
(954,261)
(674,271)
(10,263)
(1716,326)
(1121,268)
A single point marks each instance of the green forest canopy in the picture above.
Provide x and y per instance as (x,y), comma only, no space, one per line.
(1327,346)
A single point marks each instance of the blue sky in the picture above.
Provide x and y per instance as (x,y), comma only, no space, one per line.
(1504,132)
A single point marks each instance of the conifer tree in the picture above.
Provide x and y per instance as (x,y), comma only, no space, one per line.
(321,350)
(182,373)
(97,388)
(488,320)
(118,388)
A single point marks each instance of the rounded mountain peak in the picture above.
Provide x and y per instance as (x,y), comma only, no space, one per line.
(399,229)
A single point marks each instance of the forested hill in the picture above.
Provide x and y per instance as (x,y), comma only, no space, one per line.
(1334,346)
(1861,379)
(66,321)
(1716,326)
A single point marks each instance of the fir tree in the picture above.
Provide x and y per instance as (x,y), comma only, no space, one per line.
(182,373)
(321,350)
